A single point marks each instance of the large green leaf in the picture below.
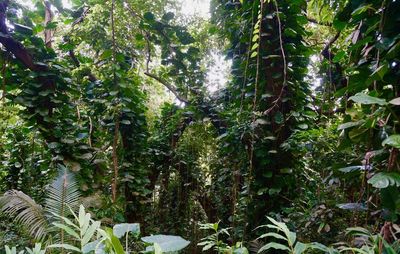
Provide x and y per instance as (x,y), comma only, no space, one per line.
(395,101)
(167,243)
(393,140)
(366,99)
(123,228)
(385,179)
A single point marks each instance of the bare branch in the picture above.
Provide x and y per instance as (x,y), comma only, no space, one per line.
(13,46)
(314,21)
(168,86)
(326,52)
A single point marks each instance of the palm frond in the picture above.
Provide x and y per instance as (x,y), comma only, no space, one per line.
(25,211)
(62,194)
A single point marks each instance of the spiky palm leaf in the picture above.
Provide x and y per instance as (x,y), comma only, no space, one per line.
(62,194)
(25,211)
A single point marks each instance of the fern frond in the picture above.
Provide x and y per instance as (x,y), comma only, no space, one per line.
(25,211)
(62,194)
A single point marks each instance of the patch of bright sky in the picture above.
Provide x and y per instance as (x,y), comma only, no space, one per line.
(218,68)
(200,8)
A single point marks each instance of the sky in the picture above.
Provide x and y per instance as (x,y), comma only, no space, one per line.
(196,7)
(219,69)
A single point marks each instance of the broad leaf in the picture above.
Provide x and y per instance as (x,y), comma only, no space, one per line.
(366,99)
(395,101)
(167,243)
(123,228)
(353,206)
(393,140)
(385,179)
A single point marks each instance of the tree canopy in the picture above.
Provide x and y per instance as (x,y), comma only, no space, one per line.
(132,112)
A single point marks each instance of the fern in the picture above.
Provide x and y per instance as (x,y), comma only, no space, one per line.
(62,196)
(62,193)
(26,212)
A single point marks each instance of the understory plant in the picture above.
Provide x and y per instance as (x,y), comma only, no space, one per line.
(215,241)
(85,235)
(38,219)
(280,238)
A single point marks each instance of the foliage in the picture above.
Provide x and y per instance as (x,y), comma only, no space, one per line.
(87,236)
(305,130)
(63,195)
(215,240)
(368,242)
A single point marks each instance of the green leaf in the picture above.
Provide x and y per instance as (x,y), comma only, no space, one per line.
(351,169)
(254,47)
(90,232)
(349,125)
(255,38)
(241,250)
(395,101)
(393,51)
(45,93)
(299,248)
(168,243)
(168,16)
(116,243)
(339,25)
(339,56)
(363,98)
(106,54)
(278,117)
(93,246)
(126,122)
(157,249)
(65,246)
(276,246)
(123,228)
(384,179)
(393,140)
(67,229)
(149,16)
(380,71)
(353,206)
(275,235)
(254,54)
(290,32)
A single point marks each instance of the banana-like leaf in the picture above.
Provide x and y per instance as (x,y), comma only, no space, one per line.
(167,243)
(25,211)
(124,228)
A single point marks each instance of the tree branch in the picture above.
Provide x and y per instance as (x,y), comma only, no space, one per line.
(168,86)
(326,52)
(15,47)
(314,21)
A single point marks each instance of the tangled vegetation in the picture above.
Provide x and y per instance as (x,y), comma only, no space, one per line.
(119,134)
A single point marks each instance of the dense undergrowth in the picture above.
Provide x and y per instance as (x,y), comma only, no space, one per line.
(118,135)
